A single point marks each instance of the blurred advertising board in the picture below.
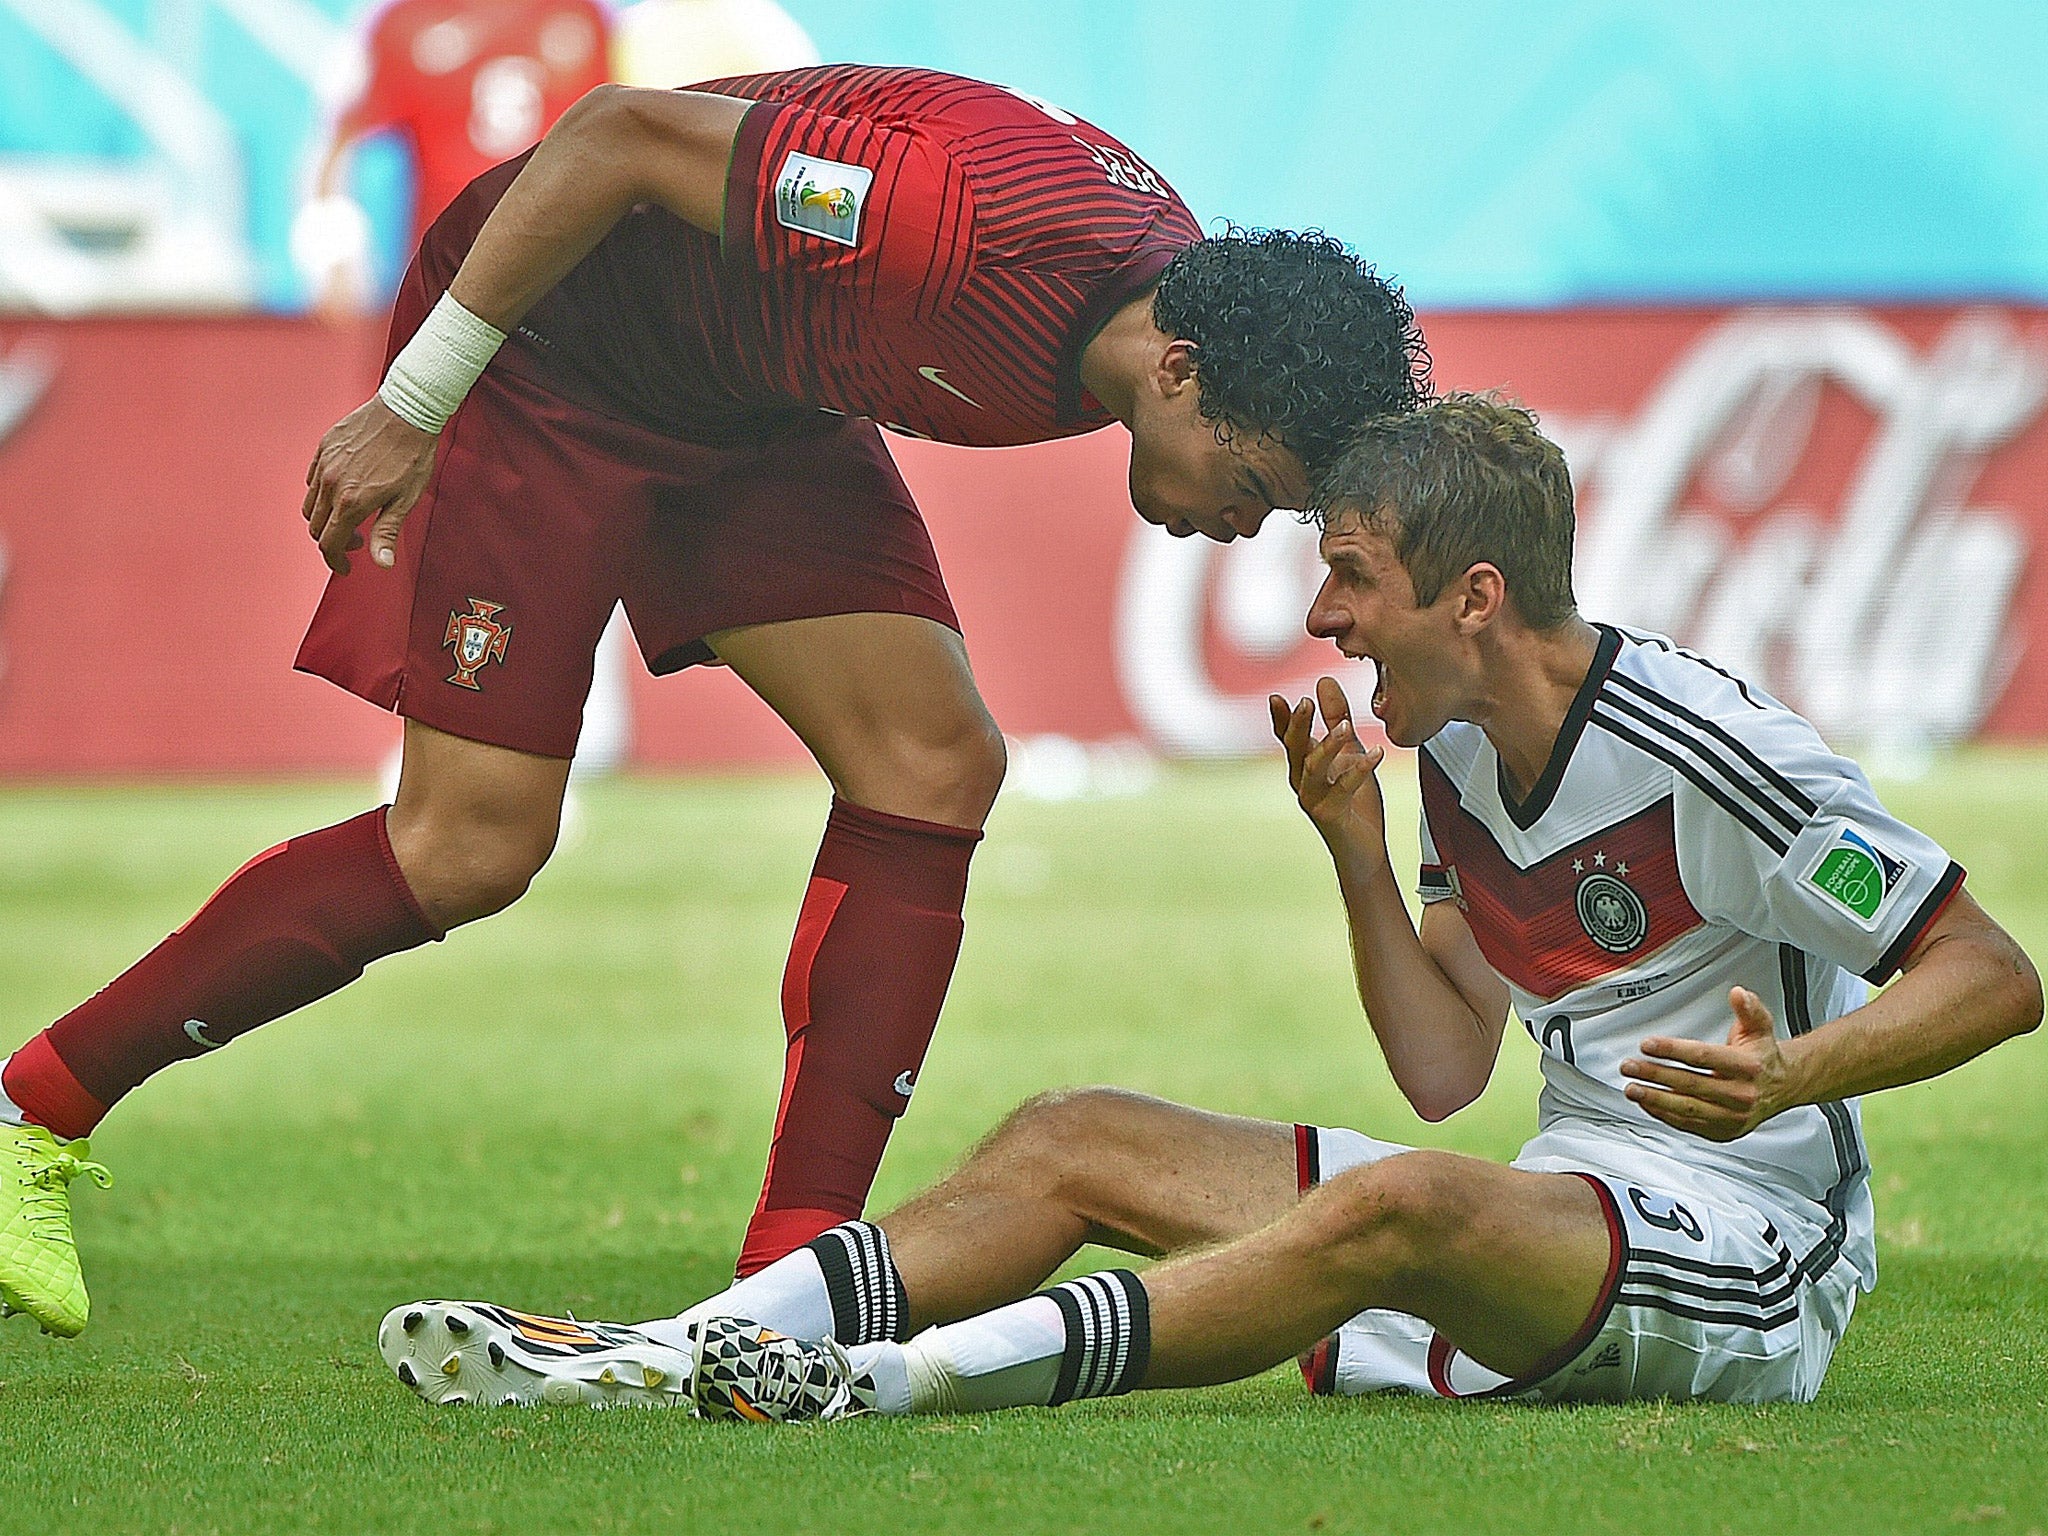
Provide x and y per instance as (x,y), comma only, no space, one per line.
(1847,503)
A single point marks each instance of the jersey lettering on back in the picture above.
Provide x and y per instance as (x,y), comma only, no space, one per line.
(915,247)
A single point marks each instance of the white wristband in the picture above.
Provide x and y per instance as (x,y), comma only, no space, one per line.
(434,371)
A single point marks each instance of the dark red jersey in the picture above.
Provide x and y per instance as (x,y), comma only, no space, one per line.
(910,246)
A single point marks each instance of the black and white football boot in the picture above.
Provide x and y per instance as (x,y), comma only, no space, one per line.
(746,1373)
(471,1352)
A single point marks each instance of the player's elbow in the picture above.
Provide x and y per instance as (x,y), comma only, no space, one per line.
(2007,984)
(613,129)
(1436,1102)
(2026,1002)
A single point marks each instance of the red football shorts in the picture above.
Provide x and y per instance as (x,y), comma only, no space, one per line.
(543,514)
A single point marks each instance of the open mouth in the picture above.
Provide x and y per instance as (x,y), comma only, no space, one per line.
(1379,688)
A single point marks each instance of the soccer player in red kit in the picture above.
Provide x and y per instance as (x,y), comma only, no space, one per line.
(647,363)
(467,84)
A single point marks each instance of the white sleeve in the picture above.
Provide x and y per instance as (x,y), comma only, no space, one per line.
(1784,839)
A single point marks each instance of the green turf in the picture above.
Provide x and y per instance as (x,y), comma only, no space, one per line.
(567,1106)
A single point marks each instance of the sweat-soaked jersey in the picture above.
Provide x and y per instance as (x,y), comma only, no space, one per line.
(925,250)
(1690,834)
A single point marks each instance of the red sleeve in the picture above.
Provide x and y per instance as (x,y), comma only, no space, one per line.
(387,69)
(847,201)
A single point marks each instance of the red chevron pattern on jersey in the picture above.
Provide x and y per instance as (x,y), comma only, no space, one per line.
(911,246)
(1600,906)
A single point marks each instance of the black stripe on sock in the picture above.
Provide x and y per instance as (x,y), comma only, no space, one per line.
(1138,1357)
(1108,1321)
(869,1304)
(1070,1358)
(834,1252)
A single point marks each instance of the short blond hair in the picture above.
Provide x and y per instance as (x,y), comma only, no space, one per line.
(1464,479)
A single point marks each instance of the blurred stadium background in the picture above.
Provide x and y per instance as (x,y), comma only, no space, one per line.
(1777,275)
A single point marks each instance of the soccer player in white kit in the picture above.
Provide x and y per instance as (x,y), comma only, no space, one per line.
(1676,885)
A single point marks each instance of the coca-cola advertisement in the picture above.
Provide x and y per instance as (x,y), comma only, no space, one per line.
(1843,503)
(1840,503)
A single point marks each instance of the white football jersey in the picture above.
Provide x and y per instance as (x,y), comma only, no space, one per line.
(1689,834)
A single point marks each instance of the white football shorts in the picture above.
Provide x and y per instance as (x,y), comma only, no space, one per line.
(1703,1301)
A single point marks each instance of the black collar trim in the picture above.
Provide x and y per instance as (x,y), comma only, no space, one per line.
(1526,813)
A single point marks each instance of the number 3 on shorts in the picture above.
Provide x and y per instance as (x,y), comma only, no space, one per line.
(1675,1219)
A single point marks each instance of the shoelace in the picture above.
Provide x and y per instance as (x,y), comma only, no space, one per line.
(784,1370)
(45,1176)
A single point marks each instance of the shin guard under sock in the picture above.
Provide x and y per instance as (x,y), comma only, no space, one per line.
(291,926)
(868,970)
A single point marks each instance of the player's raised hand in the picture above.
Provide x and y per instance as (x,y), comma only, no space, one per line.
(1332,775)
(370,465)
(1716,1091)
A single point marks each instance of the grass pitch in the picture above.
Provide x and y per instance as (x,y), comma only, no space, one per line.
(567,1107)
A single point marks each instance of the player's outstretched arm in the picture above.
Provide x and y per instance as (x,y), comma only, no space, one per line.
(1434,1004)
(1965,987)
(618,146)
(615,148)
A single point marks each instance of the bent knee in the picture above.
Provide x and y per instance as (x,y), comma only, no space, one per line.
(470,862)
(945,768)
(1405,1209)
(1057,1138)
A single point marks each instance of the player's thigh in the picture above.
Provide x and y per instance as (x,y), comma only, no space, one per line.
(1148,1175)
(887,704)
(1509,1266)
(1168,1176)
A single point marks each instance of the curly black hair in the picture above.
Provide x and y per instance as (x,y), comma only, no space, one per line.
(1296,337)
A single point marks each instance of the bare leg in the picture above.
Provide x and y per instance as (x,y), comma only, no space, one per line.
(472,824)
(1089,1165)
(1097,1165)
(886,703)
(1506,1265)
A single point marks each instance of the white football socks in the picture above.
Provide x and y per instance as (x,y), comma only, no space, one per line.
(841,1285)
(788,1296)
(1087,1338)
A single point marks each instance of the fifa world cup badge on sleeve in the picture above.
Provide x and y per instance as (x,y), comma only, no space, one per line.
(1857,875)
(822,197)
(477,638)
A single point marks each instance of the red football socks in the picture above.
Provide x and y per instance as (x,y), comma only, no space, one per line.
(291,926)
(874,951)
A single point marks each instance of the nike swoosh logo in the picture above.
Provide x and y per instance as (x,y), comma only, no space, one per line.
(937,376)
(196,1028)
(904,1084)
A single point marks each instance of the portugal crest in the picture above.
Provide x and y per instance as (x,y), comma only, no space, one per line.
(1612,914)
(477,638)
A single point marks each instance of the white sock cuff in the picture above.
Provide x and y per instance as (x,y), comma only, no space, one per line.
(434,372)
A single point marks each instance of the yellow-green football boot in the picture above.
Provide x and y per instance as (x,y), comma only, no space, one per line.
(39,1271)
